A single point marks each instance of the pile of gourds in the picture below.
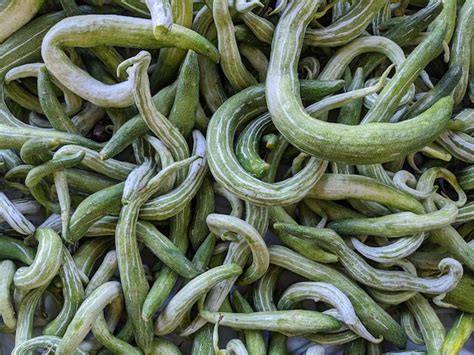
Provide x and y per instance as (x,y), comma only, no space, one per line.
(279,170)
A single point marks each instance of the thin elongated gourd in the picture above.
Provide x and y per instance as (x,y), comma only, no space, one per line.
(205,203)
(458,334)
(254,340)
(26,206)
(103,274)
(262,28)
(26,312)
(286,322)
(306,248)
(23,46)
(366,144)
(376,278)
(7,271)
(111,30)
(371,314)
(87,313)
(167,278)
(170,59)
(231,62)
(310,68)
(236,346)
(89,252)
(51,106)
(278,344)
(408,323)
(320,108)
(232,228)
(333,339)
(341,186)
(405,31)
(14,217)
(321,291)
(115,169)
(202,341)
(9,158)
(114,313)
(382,46)
(164,158)
(105,337)
(204,253)
(184,116)
(88,118)
(211,86)
(248,145)
(158,178)
(46,264)
(466,213)
(400,249)
(346,28)
(15,137)
(458,144)
(163,346)
(397,224)
(64,198)
(402,179)
(103,227)
(161,16)
(375,171)
(466,178)
(165,250)
(11,248)
(461,47)
(430,325)
(369,207)
(73,293)
(448,15)
(460,295)
(358,346)
(15,14)
(23,98)
(92,209)
(263,291)
(174,312)
(434,173)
